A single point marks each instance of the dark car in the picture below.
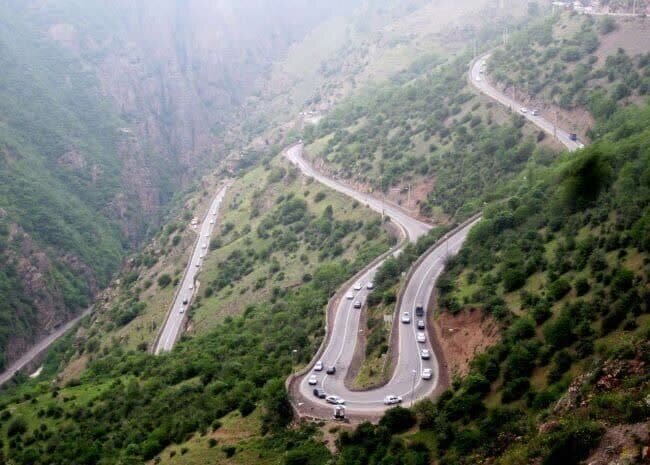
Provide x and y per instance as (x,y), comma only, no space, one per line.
(185,302)
(320,393)
(573,136)
(331,370)
(419,310)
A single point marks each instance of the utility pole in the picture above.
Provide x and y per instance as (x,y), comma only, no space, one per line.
(555,125)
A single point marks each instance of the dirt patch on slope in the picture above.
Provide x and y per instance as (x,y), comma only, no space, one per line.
(463,336)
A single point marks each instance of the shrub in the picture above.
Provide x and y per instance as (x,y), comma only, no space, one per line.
(558,289)
(164,280)
(559,333)
(571,445)
(16,427)
(229,451)
(515,389)
(513,279)
(398,419)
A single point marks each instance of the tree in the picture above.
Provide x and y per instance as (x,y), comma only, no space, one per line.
(398,419)
(164,280)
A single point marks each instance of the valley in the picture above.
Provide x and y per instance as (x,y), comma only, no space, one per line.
(358,232)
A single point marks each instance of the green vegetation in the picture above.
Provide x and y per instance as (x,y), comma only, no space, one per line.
(58,175)
(239,366)
(274,234)
(546,61)
(429,129)
(593,342)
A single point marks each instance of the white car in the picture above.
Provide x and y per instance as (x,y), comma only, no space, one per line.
(211,221)
(391,400)
(478,78)
(421,337)
(207,235)
(349,296)
(312,380)
(357,287)
(370,285)
(425,354)
(523,110)
(406,317)
(357,304)
(336,400)
(318,366)
(534,112)
(581,145)
(205,245)
(182,310)
(191,286)
(427,373)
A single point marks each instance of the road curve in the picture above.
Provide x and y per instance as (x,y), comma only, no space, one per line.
(478,80)
(341,344)
(173,326)
(414,228)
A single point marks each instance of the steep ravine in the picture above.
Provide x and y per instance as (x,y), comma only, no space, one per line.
(109,108)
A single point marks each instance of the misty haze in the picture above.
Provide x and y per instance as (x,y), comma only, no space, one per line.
(310,232)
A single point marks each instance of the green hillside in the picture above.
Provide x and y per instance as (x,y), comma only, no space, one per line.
(559,262)
(51,116)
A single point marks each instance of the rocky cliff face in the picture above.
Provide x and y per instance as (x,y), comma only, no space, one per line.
(177,72)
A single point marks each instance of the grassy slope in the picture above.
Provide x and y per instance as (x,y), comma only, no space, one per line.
(575,64)
(281,268)
(564,265)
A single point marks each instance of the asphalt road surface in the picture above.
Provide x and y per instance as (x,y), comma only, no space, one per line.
(41,346)
(407,380)
(178,311)
(414,228)
(478,79)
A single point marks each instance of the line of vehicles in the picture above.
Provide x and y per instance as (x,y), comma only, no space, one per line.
(420,337)
(357,287)
(204,247)
(391,399)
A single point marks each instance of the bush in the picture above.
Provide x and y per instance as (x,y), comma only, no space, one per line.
(572,445)
(515,389)
(398,419)
(513,279)
(607,25)
(559,333)
(164,280)
(558,289)
(229,451)
(16,427)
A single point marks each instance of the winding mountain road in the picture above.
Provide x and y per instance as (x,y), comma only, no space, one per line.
(342,340)
(478,80)
(177,313)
